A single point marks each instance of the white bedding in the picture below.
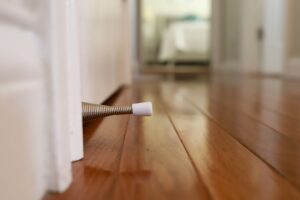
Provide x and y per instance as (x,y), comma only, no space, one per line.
(185,37)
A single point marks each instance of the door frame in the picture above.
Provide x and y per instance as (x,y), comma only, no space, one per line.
(139,58)
(248,43)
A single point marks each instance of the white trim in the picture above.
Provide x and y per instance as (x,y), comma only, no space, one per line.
(74,83)
(274,49)
(53,25)
(216,31)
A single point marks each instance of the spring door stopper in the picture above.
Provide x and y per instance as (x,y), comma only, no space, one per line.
(95,111)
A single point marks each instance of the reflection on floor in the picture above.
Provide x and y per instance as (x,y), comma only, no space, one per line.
(214,138)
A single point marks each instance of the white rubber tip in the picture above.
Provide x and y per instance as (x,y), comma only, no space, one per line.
(142,109)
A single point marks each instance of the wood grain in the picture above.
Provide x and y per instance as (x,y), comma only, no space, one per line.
(150,163)
(94,177)
(229,170)
(283,124)
(154,163)
(276,95)
(279,151)
(212,138)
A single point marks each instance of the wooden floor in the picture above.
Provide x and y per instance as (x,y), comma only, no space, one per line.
(214,138)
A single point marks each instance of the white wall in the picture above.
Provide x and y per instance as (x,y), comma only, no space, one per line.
(281,54)
(292,65)
(235,44)
(104,47)
(22,104)
(293,28)
(152,9)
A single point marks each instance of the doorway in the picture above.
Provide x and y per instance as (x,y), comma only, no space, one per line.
(175,36)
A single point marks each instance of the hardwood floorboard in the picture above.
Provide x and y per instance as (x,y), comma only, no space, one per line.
(214,138)
(96,175)
(279,151)
(221,160)
(154,163)
(268,93)
(283,124)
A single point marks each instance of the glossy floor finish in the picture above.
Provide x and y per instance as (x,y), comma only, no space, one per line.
(213,138)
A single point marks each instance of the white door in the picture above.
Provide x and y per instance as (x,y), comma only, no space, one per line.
(42,54)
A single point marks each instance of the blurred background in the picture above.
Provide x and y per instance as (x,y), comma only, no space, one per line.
(176,33)
(197,36)
(54,54)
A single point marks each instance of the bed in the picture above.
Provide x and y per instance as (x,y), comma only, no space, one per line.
(177,39)
(185,40)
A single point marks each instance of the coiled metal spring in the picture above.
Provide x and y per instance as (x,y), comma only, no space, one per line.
(94,111)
